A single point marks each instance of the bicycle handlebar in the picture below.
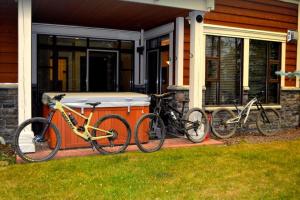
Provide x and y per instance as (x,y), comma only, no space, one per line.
(164,95)
(59,97)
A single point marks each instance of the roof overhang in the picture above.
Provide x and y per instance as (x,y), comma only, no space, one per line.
(202,5)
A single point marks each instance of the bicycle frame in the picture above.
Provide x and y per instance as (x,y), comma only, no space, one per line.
(247,109)
(86,126)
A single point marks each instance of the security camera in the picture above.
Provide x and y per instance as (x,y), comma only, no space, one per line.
(199,18)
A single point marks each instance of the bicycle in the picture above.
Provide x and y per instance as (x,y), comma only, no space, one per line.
(104,136)
(224,122)
(150,130)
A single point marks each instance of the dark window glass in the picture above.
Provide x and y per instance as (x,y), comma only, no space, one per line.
(127,45)
(68,41)
(104,44)
(223,70)
(263,63)
(45,39)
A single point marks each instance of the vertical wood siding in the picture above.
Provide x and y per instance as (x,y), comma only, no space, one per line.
(186,62)
(268,15)
(8,41)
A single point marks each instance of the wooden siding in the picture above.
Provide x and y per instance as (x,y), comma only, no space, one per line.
(186,62)
(267,15)
(8,41)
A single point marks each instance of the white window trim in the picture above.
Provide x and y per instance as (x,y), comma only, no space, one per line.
(248,34)
(227,31)
(159,31)
(80,31)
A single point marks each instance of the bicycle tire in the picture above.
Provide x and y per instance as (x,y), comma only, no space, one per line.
(116,144)
(149,140)
(217,123)
(274,118)
(52,143)
(203,128)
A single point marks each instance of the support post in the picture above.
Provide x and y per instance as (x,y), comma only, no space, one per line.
(24,70)
(246,64)
(179,51)
(171,60)
(197,60)
(283,52)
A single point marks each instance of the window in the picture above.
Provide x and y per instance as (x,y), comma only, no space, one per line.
(264,62)
(223,70)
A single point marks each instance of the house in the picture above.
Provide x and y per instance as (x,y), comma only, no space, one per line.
(215,50)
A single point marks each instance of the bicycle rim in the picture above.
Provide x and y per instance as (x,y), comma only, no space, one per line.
(119,131)
(219,124)
(197,125)
(268,122)
(31,146)
(150,133)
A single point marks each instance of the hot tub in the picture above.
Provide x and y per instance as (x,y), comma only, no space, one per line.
(127,104)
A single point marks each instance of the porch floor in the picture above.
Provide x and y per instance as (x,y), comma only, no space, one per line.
(169,143)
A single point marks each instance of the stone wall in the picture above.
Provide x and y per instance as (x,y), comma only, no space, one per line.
(8,111)
(290,111)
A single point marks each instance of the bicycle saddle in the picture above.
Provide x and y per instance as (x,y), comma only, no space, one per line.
(164,95)
(94,104)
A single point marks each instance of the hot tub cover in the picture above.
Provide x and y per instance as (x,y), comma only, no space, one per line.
(107,99)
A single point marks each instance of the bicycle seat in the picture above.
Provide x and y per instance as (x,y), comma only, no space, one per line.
(164,95)
(94,104)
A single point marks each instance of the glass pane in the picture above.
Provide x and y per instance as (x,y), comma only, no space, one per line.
(273,93)
(126,72)
(230,70)
(127,45)
(68,41)
(212,46)
(211,93)
(274,50)
(45,70)
(125,79)
(45,39)
(274,68)
(106,44)
(164,56)
(257,67)
(102,71)
(212,69)
(165,41)
(152,44)
(71,72)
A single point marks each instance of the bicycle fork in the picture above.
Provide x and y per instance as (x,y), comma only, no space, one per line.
(41,137)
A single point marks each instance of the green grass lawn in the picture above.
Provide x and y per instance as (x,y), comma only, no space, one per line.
(245,171)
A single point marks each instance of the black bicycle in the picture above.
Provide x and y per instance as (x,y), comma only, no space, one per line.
(150,130)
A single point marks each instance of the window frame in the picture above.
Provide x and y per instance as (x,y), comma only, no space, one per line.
(217,79)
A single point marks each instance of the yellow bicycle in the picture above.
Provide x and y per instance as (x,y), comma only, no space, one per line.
(38,139)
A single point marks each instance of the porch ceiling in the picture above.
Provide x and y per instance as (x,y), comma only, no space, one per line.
(113,14)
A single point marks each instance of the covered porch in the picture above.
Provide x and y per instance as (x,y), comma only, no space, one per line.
(142,41)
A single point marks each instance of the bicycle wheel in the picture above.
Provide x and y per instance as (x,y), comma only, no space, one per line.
(149,133)
(268,122)
(219,125)
(121,134)
(196,125)
(31,146)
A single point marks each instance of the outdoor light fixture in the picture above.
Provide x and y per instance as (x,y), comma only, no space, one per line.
(140,49)
(199,18)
